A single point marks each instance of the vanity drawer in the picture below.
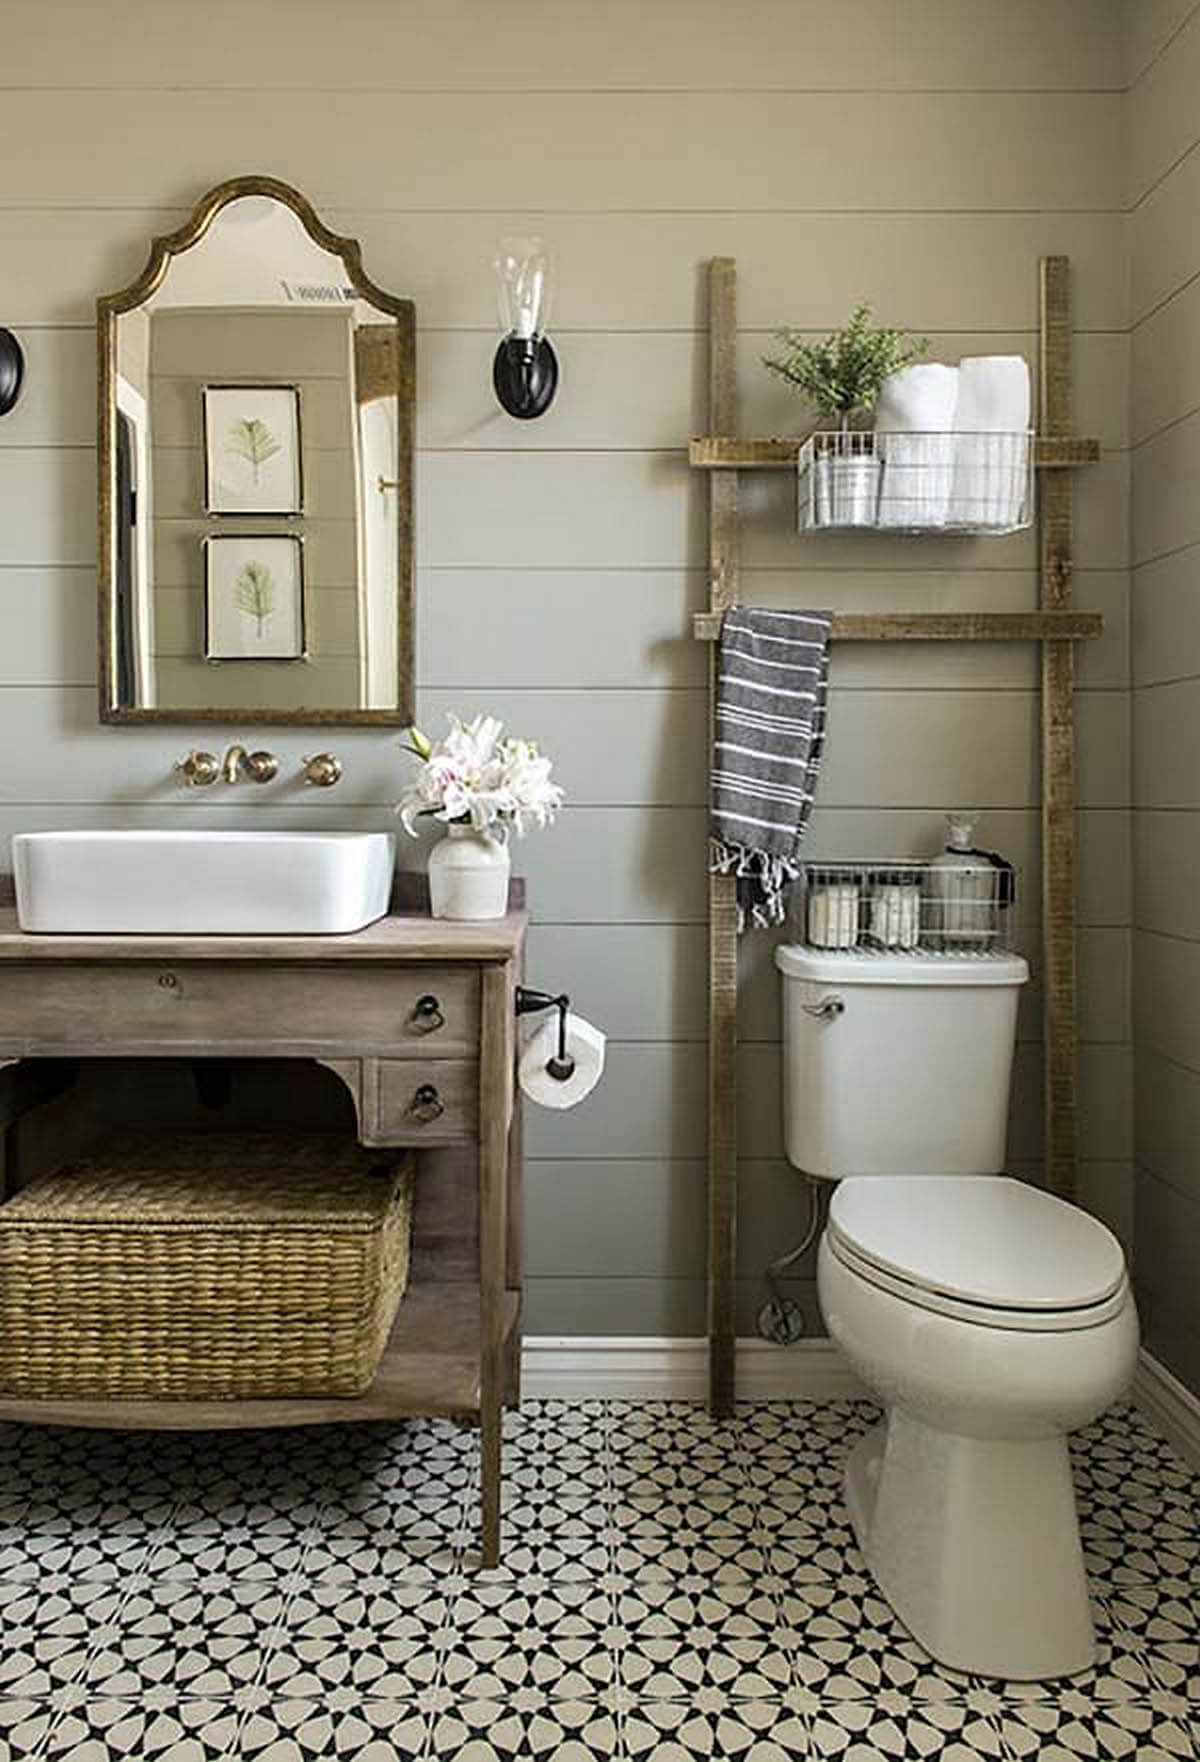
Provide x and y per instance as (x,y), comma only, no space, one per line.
(421,1101)
(250,1006)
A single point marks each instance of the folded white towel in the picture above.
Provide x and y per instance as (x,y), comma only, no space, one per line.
(991,459)
(913,422)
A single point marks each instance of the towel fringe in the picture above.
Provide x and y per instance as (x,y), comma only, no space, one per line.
(769,877)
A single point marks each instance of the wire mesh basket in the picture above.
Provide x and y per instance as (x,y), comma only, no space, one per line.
(906,906)
(893,481)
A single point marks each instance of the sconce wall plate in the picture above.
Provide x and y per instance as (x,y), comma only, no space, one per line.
(525,376)
(12,371)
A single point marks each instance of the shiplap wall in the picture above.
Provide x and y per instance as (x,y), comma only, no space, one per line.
(1165,438)
(921,157)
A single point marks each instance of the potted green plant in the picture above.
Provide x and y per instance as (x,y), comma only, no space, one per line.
(841,376)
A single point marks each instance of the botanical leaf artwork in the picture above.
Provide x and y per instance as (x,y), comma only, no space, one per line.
(251,439)
(255,588)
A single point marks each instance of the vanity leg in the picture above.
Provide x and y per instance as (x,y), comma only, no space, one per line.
(516,1217)
(495,1104)
(512,1365)
(491,1425)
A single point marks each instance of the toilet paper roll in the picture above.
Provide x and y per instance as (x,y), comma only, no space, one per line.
(585,1043)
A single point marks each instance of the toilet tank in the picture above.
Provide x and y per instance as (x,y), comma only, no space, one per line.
(897,1064)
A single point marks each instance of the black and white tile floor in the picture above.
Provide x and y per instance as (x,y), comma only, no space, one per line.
(671,1588)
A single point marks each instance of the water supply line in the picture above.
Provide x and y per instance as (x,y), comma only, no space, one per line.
(781,1319)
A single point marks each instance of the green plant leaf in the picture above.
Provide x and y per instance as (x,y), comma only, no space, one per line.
(251,439)
(842,374)
(255,590)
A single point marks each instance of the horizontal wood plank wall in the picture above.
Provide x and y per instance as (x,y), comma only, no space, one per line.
(1165,438)
(922,158)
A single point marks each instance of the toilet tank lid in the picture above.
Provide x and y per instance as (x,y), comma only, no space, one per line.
(866,966)
(988,1239)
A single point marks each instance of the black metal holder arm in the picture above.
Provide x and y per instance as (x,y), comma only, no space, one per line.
(528,1002)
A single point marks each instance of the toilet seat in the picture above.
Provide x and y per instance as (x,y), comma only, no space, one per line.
(985,1249)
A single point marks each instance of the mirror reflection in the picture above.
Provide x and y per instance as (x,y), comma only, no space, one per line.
(256,475)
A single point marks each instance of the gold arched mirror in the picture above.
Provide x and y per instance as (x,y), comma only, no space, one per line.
(256,478)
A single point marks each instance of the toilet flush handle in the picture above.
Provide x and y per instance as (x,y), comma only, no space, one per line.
(827,1010)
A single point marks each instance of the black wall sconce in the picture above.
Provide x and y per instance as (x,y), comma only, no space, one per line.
(525,371)
(12,371)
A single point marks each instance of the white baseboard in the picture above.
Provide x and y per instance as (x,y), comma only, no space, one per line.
(654,1368)
(1169,1406)
(621,1367)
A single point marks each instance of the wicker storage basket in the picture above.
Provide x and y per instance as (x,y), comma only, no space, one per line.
(204,1265)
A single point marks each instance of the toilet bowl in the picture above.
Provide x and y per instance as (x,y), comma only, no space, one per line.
(990,1318)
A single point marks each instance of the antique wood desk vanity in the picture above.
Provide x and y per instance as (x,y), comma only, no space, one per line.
(416,1019)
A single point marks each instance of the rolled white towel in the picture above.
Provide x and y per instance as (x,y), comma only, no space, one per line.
(913,421)
(991,456)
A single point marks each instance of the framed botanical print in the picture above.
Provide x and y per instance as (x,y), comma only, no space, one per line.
(254,597)
(252,462)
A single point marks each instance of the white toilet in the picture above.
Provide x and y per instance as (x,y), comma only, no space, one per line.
(990,1318)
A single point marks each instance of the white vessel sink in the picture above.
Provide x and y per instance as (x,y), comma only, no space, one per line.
(202,883)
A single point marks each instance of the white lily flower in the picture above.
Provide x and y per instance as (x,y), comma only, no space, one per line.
(474,776)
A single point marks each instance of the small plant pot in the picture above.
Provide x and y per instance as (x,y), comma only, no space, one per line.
(844,490)
(468,875)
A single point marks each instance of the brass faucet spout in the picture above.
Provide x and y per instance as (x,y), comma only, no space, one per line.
(233,762)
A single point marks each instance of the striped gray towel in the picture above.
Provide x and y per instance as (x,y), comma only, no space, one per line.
(772,688)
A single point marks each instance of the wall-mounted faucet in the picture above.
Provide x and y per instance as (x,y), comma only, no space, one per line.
(322,770)
(260,767)
(198,770)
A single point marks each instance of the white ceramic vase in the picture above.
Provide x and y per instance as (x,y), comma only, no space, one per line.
(468,875)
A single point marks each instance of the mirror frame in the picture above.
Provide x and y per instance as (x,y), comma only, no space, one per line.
(402,369)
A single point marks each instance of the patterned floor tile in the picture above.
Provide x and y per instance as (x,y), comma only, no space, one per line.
(673,1731)
(672,1586)
(845,1641)
(856,1731)
(106,1537)
(546,1639)
(208,1550)
(1073,1727)
(391,1534)
(777,1432)
(561,1477)
(542,1425)
(124,1731)
(312,1731)
(490,1731)
(585,1557)
(670,1539)
(200,1640)
(639,1470)
(700,1640)
(377,1637)
(671,1427)
(24,1727)
(46,1630)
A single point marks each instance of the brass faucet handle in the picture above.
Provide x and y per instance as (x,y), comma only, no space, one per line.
(198,769)
(261,766)
(322,770)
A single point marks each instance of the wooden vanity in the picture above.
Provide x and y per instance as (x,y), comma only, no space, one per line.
(416,1018)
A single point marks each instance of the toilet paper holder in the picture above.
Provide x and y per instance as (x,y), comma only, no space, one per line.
(561,1066)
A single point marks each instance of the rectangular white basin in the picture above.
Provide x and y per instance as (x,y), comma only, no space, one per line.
(202,883)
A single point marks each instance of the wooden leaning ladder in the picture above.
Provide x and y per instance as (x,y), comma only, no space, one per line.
(1055,626)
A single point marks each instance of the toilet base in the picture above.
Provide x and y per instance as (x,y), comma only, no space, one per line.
(974,1542)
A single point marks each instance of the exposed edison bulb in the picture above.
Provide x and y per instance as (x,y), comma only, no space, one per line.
(523,273)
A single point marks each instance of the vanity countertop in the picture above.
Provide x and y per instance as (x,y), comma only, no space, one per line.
(403,936)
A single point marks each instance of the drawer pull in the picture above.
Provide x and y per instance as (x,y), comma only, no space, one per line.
(426,1105)
(427,1014)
